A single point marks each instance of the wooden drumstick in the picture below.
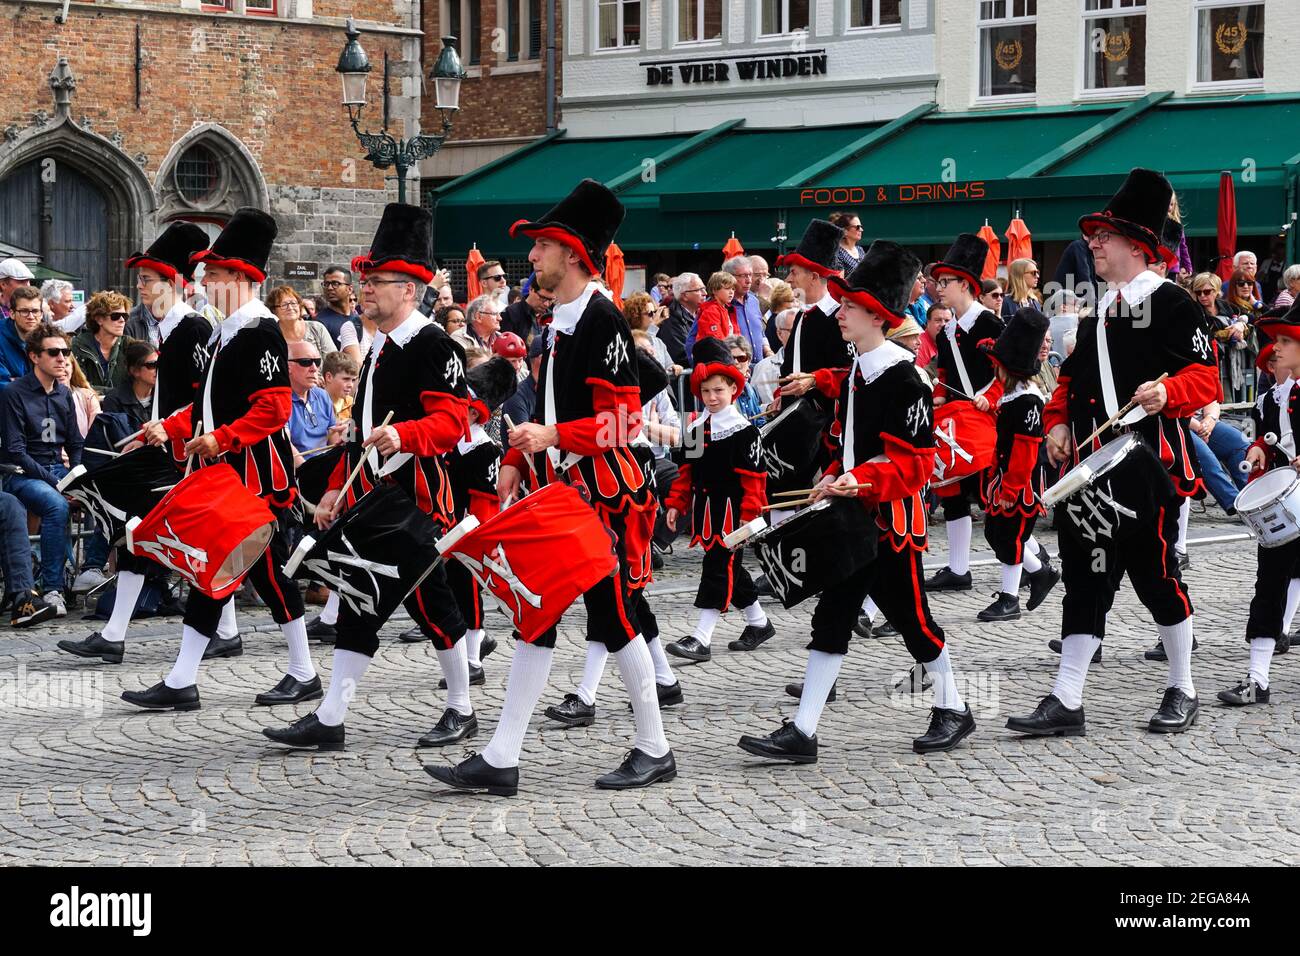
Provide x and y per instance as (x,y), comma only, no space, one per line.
(1117,416)
(362,460)
(528,459)
(808,491)
(787,504)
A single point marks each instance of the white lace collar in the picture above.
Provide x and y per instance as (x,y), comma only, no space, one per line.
(874,363)
(477,436)
(726,422)
(1135,292)
(249,313)
(564,318)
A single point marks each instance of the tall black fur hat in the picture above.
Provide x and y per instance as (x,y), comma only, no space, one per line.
(244,245)
(1137,212)
(882,282)
(169,255)
(965,260)
(585,221)
(712,357)
(401,244)
(1017,348)
(492,383)
(1171,237)
(816,249)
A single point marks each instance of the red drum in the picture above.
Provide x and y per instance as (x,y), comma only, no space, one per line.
(966,439)
(209,529)
(537,556)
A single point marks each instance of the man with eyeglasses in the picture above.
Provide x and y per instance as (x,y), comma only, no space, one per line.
(688,295)
(13,274)
(524,318)
(336,284)
(21,322)
(748,314)
(38,419)
(311,423)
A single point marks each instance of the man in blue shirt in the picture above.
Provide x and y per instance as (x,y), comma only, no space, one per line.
(39,422)
(311,422)
(337,286)
(22,321)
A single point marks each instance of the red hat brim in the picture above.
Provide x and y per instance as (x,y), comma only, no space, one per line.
(1140,236)
(210,258)
(795,259)
(365,265)
(535,230)
(708,369)
(141,261)
(840,290)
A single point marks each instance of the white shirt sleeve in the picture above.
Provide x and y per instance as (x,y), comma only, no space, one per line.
(348,335)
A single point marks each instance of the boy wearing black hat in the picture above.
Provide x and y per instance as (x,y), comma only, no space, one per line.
(720,484)
(1146,326)
(966,375)
(885,459)
(587,412)
(239,415)
(1013,484)
(416,373)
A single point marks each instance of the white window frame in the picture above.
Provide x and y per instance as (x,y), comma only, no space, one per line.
(1006,99)
(522,59)
(783,16)
(1082,91)
(876,25)
(621,5)
(1197,85)
(699,23)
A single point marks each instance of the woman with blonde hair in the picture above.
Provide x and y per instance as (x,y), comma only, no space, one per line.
(287,306)
(641,313)
(1022,288)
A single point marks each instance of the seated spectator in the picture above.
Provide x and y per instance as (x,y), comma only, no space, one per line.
(512,348)
(14,275)
(716,319)
(1062,309)
(311,421)
(493,281)
(451,318)
(1290,287)
(98,346)
(85,398)
(1022,288)
(747,402)
(135,398)
(23,319)
(662,288)
(991,295)
(1245,263)
(339,373)
(16,564)
(39,423)
(782,297)
(446,297)
(289,310)
(688,292)
(475,356)
(767,372)
(642,314)
(1220,450)
(56,295)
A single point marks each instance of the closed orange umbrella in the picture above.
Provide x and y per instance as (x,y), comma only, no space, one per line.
(995,250)
(473,288)
(732,248)
(1018,244)
(615,272)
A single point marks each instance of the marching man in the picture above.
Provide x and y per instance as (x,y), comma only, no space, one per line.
(415,371)
(239,415)
(588,408)
(1147,326)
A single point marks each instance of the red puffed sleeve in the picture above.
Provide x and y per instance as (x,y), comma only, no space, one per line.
(679,495)
(1056,411)
(178,425)
(445,422)
(515,459)
(483,505)
(1190,389)
(1024,456)
(617,420)
(829,381)
(906,471)
(268,413)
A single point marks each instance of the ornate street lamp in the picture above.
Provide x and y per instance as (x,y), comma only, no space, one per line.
(383,149)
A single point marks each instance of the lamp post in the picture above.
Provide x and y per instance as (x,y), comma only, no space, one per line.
(383,149)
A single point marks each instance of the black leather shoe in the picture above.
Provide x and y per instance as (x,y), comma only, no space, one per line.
(787,742)
(318,630)
(886,630)
(1157,653)
(763,587)
(110,652)
(476,676)
(307,732)
(290,690)
(863,627)
(656,560)
(639,769)
(947,729)
(752,636)
(1247,692)
(162,697)
(412,636)
(916,680)
(572,712)
(946,580)
(452,727)
(1005,608)
(796,691)
(477,775)
(1282,646)
(669,695)
(486,647)
(1177,713)
(1055,645)
(1041,583)
(1049,718)
(224,647)
(690,648)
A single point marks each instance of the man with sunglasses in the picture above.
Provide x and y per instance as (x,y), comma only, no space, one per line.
(39,423)
(312,422)
(492,279)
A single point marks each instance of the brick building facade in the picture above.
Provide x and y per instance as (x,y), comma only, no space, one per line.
(182,109)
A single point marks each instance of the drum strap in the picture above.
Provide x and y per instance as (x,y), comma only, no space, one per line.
(553,453)
(796,365)
(961,362)
(1285,436)
(1103,364)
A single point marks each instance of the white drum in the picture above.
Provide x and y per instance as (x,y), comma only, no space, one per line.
(1270,507)
(1105,459)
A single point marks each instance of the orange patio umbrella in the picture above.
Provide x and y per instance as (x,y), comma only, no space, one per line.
(615,272)
(732,247)
(473,288)
(995,250)
(1018,244)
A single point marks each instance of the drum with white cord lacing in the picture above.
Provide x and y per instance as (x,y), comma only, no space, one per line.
(1270,507)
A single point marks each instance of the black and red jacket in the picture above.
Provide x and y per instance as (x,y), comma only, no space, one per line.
(183,355)
(245,392)
(590,370)
(1268,418)
(1014,483)
(1161,331)
(419,375)
(473,467)
(721,482)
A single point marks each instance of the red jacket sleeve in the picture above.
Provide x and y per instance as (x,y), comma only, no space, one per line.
(906,471)
(339,474)
(755,494)
(994,393)
(178,424)
(1190,389)
(445,422)
(1024,456)
(1055,412)
(617,420)
(679,495)
(515,459)
(268,413)
(829,380)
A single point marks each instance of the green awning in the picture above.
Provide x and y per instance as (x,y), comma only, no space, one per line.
(920,179)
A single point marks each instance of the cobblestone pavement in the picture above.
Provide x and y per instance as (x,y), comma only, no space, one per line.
(99,782)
